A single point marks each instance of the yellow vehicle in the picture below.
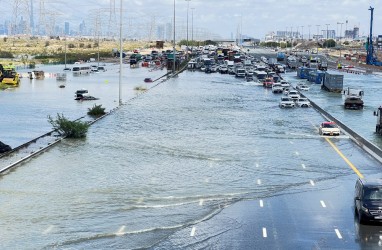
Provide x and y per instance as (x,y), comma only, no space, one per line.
(10,76)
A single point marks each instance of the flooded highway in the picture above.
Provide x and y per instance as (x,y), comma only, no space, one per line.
(202,161)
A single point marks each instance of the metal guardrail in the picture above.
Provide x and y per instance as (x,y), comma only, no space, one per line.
(56,140)
(369,147)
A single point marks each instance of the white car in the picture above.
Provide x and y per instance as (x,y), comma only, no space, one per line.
(276,88)
(302,86)
(294,95)
(286,102)
(284,84)
(329,128)
(303,102)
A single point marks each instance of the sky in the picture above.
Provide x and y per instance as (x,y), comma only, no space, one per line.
(256,18)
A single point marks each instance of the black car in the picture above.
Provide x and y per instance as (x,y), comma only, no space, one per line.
(368,200)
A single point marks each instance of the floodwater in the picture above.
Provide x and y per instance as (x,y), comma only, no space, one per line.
(176,155)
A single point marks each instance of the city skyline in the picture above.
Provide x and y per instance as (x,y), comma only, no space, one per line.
(150,19)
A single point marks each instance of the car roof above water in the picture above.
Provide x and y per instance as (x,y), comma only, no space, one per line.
(371,182)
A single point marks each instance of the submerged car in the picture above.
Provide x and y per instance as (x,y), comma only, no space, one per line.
(303,102)
(286,102)
(329,128)
(293,94)
(276,88)
(302,86)
(368,200)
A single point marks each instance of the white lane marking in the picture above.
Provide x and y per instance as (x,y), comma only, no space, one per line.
(291,142)
(257,165)
(121,231)
(201,202)
(192,234)
(338,233)
(261,203)
(207,180)
(265,232)
(297,153)
(258,182)
(323,204)
(48,230)
(312,182)
(303,165)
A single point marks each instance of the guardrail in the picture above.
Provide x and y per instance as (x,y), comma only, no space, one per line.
(59,139)
(369,147)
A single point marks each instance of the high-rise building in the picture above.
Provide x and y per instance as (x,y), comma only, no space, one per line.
(160,32)
(169,34)
(67,29)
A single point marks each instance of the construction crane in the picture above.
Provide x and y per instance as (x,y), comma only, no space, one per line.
(371,58)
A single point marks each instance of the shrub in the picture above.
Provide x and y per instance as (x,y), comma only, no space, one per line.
(96,110)
(71,129)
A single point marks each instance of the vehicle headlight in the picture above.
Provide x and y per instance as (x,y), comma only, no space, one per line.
(365,209)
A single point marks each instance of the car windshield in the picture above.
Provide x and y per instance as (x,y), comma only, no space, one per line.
(373,194)
(329,125)
(302,100)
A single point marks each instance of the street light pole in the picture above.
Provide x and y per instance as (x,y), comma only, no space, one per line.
(192,28)
(188,6)
(340,39)
(327,35)
(120,54)
(174,51)
(318,30)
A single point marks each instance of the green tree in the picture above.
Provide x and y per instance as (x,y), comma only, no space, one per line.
(329,43)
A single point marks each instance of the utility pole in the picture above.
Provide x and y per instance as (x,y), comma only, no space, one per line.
(188,6)
(327,35)
(318,28)
(174,51)
(192,28)
(340,41)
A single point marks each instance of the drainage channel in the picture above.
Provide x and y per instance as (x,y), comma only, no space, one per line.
(20,154)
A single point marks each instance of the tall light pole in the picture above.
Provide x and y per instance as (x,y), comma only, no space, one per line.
(188,6)
(192,28)
(174,51)
(340,39)
(120,54)
(327,35)
(318,30)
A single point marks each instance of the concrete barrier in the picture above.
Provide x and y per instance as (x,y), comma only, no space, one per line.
(369,147)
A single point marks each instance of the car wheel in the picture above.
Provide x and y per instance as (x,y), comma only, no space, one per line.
(361,219)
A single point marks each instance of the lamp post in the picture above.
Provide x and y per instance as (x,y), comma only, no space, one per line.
(120,54)
(327,35)
(340,40)
(192,28)
(318,28)
(174,51)
(188,6)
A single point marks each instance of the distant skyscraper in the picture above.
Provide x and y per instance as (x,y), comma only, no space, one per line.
(160,32)
(67,29)
(169,35)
